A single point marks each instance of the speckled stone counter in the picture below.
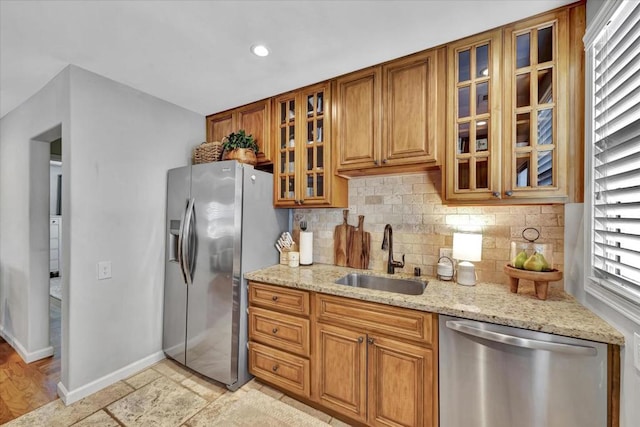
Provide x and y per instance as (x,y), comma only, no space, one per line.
(560,314)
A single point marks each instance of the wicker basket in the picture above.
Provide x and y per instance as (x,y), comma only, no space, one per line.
(207,152)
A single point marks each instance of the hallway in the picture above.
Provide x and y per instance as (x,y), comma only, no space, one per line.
(25,387)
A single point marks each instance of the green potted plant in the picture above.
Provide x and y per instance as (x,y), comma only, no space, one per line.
(241,147)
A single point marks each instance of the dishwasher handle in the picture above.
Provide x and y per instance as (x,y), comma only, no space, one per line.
(519,341)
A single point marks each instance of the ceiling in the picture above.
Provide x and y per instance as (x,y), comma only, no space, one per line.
(196,53)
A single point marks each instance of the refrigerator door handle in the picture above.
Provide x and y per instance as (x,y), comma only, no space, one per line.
(186,256)
(180,244)
(519,341)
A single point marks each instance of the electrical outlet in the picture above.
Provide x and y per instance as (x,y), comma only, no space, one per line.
(448,252)
(104,270)
(636,350)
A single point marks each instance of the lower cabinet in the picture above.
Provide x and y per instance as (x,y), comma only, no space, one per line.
(372,363)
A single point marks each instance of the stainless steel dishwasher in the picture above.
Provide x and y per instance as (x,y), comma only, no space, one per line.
(499,376)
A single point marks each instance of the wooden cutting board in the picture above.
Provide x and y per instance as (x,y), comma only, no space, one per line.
(341,236)
(355,245)
(366,249)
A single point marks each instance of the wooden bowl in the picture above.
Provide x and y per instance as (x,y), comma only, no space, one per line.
(540,279)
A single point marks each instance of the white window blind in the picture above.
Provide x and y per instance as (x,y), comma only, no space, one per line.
(615,250)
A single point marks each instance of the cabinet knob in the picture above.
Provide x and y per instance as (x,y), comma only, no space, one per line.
(275,368)
(375,162)
(275,298)
(384,161)
(360,339)
(370,340)
(495,194)
(509,193)
(274,330)
(301,202)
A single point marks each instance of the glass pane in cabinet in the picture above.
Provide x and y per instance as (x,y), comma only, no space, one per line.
(283,112)
(291,164)
(463,138)
(523,124)
(482,98)
(545,86)
(464,101)
(320,104)
(482,61)
(464,64)
(292,110)
(545,127)
(545,45)
(310,132)
(319,157)
(284,164)
(463,175)
(283,188)
(545,168)
(310,105)
(523,84)
(319,127)
(292,136)
(292,188)
(309,190)
(283,137)
(523,44)
(482,135)
(320,185)
(482,173)
(523,164)
(310,162)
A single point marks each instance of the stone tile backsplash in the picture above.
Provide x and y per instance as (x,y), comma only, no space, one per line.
(422,224)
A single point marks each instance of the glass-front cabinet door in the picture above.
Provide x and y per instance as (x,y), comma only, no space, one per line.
(473,132)
(536,120)
(303,170)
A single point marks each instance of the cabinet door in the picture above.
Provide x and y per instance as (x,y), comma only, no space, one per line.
(409,98)
(285,191)
(358,119)
(473,145)
(315,145)
(401,385)
(219,125)
(340,368)
(255,120)
(536,118)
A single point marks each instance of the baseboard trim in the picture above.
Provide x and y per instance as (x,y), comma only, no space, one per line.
(27,356)
(71,396)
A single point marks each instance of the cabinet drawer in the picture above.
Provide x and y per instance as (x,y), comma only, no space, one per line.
(371,317)
(279,298)
(279,368)
(282,331)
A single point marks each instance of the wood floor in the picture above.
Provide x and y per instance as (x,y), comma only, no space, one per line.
(25,387)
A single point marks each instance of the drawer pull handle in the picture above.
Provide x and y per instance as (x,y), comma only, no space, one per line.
(360,339)
(370,340)
(275,368)
(275,298)
(274,330)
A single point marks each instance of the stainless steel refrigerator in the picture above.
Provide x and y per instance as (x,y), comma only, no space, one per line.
(220,223)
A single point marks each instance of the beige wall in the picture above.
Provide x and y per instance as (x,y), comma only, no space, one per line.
(422,224)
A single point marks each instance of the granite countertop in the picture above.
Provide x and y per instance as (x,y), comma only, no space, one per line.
(559,314)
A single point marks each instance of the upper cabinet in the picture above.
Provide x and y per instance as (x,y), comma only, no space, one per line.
(386,116)
(509,127)
(253,118)
(303,173)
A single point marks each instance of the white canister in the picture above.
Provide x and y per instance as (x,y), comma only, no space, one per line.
(294,259)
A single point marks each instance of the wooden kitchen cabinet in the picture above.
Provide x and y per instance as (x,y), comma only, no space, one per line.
(280,337)
(254,118)
(374,363)
(387,118)
(303,172)
(515,112)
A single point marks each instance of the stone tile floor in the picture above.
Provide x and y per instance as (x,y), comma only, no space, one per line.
(166,394)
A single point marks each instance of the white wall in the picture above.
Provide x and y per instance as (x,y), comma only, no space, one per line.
(118,144)
(24,270)
(574,284)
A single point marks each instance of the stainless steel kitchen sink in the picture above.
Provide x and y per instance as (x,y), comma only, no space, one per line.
(387,284)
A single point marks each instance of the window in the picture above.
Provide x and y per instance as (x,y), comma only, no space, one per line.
(613,152)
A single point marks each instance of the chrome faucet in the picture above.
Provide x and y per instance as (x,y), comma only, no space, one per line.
(387,243)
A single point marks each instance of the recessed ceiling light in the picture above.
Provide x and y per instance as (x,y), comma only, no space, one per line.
(259,50)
